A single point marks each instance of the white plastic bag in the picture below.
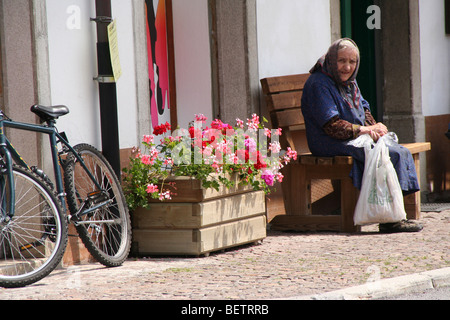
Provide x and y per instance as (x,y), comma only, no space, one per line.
(381,198)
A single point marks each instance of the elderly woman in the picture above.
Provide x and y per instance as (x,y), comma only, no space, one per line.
(335,112)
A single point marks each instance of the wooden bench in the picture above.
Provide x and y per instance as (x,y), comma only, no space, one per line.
(314,185)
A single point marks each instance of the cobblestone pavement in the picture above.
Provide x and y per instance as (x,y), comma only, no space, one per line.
(284,265)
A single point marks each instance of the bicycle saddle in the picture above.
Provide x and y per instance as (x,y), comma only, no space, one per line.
(49,113)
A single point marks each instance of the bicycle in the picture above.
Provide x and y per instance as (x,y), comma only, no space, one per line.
(34,218)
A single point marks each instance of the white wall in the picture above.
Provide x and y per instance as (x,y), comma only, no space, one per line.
(435,58)
(292,35)
(72,60)
(126,86)
(73,65)
(192,59)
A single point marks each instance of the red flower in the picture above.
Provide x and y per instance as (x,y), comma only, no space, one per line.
(161,129)
(259,163)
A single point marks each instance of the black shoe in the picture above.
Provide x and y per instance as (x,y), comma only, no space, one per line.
(401,226)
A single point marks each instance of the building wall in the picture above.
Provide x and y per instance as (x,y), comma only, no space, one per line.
(292,35)
(73,65)
(435,70)
(435,58)
(18,73)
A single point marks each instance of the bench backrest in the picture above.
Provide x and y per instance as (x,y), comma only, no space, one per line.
(283,98)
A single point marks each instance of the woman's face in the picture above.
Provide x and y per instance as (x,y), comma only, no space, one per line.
(347,61)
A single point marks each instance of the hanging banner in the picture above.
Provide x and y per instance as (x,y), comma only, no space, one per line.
(158,66)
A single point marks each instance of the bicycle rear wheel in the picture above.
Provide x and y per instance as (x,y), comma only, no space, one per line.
(33,242)
(105,231)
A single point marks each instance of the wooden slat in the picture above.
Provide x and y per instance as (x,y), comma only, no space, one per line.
(286,100)
(334,172)
(306,223)
(414,148)
(297,127)
(418,147)
(343,160)
(308,159)
(284,83)
(288,118)
(199,215)
(187,189)
(199,241)
(325,161)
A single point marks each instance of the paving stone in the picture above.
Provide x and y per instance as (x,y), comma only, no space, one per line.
(284,265)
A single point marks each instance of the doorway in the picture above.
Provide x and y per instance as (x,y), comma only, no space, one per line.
(354,25)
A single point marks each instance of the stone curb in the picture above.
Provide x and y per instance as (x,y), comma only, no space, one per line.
(386,288)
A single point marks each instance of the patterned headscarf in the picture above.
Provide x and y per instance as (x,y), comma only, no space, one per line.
(327,64)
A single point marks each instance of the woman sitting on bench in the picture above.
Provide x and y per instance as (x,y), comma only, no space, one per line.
(335,112)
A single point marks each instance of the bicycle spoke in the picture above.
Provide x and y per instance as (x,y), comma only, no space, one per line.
(103,223)
(33,242)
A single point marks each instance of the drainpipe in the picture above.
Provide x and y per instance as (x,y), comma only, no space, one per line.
(107,87)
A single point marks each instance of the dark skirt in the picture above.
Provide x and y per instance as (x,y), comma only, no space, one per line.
(401,158)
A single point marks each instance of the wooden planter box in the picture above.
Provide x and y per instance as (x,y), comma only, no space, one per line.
(198,221)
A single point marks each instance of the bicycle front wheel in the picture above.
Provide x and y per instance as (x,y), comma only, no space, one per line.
(33,241)
(106,229)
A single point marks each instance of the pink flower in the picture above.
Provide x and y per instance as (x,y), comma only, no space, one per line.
(278,132)
(151,188)
(268,177)
(279,177)
(146,159)
(253,123)
(240,123)
(233,158)
(148,139)
(165,196)
(291,153)
(168,162)
(275,147)
(200,118)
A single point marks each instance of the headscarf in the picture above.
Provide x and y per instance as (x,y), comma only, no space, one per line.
(327,64)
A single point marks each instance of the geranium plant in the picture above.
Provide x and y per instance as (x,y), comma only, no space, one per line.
(209,154)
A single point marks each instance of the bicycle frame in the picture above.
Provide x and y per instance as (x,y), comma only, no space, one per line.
(10,153)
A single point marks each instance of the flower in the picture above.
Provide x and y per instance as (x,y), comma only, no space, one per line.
(253,123)
(200,118)
(161,129)
(148,139)
(151,188)
(207,153)
(268,177)
(275,147)
(146,159)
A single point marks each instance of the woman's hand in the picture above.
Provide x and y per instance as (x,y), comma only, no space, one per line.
(376,131)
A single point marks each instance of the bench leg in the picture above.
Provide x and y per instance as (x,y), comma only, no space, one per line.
(412,206)
(412,201)
(297,191)
(349,197)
